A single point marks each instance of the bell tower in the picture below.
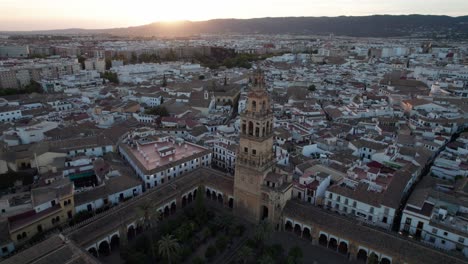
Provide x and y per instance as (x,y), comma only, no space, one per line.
(255,158)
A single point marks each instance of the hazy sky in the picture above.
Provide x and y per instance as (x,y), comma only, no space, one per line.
(57,14)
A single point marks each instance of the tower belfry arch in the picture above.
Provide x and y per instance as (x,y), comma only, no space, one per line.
(255,158)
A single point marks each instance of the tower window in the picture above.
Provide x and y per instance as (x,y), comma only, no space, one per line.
(254,152)
(246,150)
(254,106)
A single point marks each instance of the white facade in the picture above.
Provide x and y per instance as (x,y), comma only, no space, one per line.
(375,215)
(7,115)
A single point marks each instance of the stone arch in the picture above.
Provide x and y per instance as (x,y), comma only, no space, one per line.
(93,252)
(263,131)
(173,207)
(190,198)
(343,248)
(385,260)
(288,226)
(251,128)
(208,193)
(104,248)
(131,232)
(231,202)
(244,129)
(264,212)
(220,198)
(306,233)
(194,193)
(213,196)
(184,201)
(323,240)
(297,229)
(115,241)
(139,229)
(333,243)
(166,211)
(373,258)
(257,131)
(362,255)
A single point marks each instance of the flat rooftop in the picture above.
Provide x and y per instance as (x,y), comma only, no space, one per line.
(152,154)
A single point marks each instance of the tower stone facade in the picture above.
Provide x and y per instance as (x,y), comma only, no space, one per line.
(255,160)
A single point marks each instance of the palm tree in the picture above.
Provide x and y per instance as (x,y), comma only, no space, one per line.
(266,259)
(168,247)
(148,215)
(245,253)
(262,231)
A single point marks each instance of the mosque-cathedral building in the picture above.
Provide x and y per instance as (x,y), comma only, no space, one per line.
(259,191)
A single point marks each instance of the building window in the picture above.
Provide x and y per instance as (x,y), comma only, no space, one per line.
(346,201)
(432,239)
(371,210)
(434,230)
(330,196)
(443,242)
(461,239)
(354,204)
(246,150)
(254,152)
(445,233)
(338,198)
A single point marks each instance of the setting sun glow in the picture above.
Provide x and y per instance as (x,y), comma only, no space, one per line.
(54,14)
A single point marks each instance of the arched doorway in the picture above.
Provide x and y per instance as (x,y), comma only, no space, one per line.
(362,255)
(373,258)
(184,201)
(333,244)
(264,212)
(104,248)
(306,233)
(190,198)
(231,203)
(166,211)
(208,193)
(220,198)
(194,193)
(385,261)
(173,208)
(139,229)
(297,229)
(213,196)
(130,233)
(93,252)
(343,248)
(323,240)
(115,242)
(288,226)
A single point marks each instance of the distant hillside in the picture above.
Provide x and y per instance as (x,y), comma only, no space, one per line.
(364,26)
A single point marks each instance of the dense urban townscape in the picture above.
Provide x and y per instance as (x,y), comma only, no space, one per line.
(233,148)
